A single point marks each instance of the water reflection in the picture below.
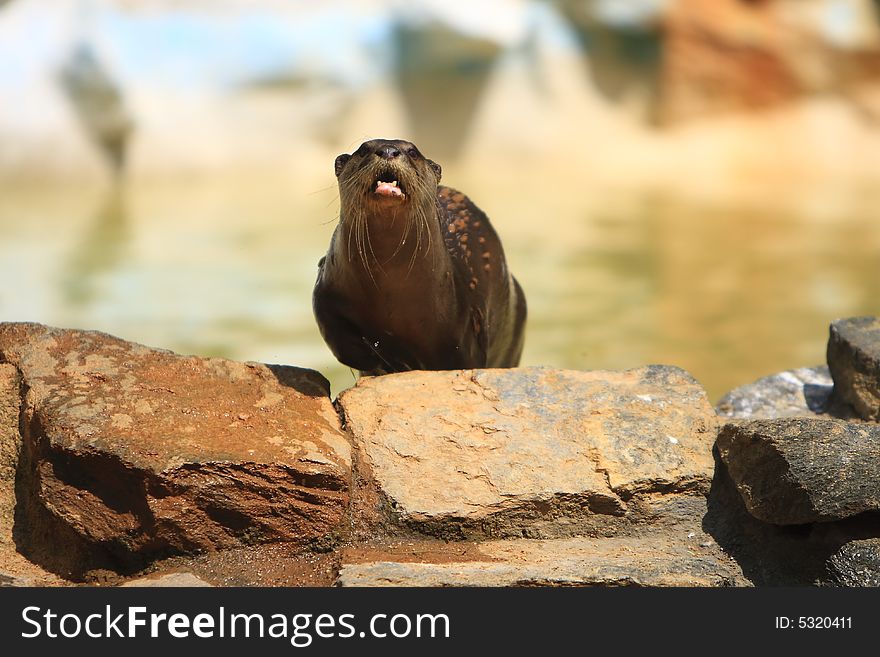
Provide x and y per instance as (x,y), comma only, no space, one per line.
(97,253)
(729,293)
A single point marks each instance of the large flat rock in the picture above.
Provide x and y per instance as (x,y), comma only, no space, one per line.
(854,361)
(131,452)
(799,470)
(501,452)
(653,560)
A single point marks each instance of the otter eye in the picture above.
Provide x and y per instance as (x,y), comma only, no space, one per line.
(412,151)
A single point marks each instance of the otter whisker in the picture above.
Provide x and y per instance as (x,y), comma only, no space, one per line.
(348,245)
(370,246)
(400,244)
(363,237)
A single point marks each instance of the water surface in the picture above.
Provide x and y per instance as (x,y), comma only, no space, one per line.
(729,290)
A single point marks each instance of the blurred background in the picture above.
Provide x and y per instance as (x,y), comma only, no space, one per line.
(694,182)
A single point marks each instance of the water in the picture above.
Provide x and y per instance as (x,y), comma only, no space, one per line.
(730,291)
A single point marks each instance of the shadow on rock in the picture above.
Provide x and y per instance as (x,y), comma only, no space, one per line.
(305,381)
(776,555)
(47,540)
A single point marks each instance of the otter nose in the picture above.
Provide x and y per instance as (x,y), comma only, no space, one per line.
(388,152)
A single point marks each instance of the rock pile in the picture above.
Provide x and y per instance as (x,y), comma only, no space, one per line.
(803,453)
(609,470)
(120,462)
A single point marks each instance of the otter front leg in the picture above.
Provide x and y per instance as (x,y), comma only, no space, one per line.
(345,338)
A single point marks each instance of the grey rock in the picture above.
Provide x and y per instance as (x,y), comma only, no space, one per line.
(169,580)
(856,563)
(854,361)
(653,560)
(801,392)
(801,470)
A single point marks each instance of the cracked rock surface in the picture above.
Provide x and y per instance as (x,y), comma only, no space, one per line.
(533,452)
(129,453)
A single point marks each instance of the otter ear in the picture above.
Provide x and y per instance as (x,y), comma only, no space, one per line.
(340,163)
(435,168)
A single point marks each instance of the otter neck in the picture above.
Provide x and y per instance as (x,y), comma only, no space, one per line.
(386,237)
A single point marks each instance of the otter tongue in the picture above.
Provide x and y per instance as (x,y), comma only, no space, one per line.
(388,188)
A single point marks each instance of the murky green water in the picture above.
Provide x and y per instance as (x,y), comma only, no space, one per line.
(730,291)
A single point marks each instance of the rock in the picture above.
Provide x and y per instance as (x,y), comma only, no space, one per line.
(653,560)
(16,570)
(10,446)
(169,580)
(799,470)
(11,579)
(784,50)
(777,555)
(532,451)
(854,361)
(131,453)
(856,563)
(801,392)
(700,77)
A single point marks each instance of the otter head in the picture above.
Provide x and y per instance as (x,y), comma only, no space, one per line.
(385,174)
(387,192)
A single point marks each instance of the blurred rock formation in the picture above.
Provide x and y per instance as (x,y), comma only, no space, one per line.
(441,75)
(246,84)
(747,55)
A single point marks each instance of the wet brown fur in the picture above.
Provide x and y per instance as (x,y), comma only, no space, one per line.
(414,283)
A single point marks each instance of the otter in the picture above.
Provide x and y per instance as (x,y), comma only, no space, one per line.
(415,276)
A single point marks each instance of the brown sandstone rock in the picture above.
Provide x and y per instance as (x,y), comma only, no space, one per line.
(722,56)
(131,452)
(534,452)
(10,446)
(15,570)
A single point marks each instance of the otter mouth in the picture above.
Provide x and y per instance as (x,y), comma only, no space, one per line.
(390,189)
(386,186)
